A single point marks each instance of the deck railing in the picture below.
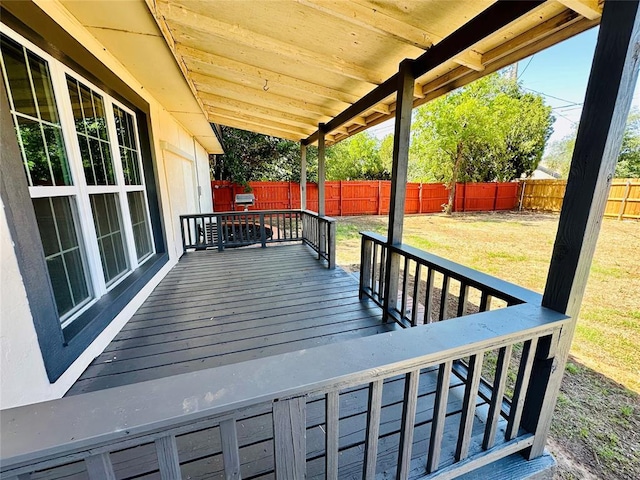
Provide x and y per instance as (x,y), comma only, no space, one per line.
(237,229)
(424,288)
(398,386)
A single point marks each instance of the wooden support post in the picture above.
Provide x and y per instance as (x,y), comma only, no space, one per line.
(401,137)
(420,198)
(609,93)
(303,176)
(321,171)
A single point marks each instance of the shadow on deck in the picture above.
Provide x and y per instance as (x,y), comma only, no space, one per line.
(216,309)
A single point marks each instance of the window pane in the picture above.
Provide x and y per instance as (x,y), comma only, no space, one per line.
(60,239)
(19,85)
(34,151)
(128,147)
(43,88)
(91,127)
(140,224)
(106,215)
(38,129)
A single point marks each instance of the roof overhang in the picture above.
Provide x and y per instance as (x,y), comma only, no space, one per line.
(284,67)
(130,33)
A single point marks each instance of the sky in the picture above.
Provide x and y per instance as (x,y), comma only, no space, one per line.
(560,73)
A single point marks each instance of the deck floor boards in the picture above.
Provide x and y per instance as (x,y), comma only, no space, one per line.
(216,309)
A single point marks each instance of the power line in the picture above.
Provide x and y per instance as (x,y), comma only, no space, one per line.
(525,68)
(550,96)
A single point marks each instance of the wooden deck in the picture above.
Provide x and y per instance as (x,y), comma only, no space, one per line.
(218,308)
(222,308)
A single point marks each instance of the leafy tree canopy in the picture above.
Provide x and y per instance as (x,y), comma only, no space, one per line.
(489,130)
(356,158)
(252,156)
(558,155)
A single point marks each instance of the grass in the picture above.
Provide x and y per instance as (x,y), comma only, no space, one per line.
(596,432)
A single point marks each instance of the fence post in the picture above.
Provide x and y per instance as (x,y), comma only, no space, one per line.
(340,197)
(495,197)
(420,198)
(523,187)
(379,197)
(625,197)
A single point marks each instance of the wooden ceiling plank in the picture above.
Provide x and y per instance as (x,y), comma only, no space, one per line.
(374,21)
(182,16)
(250,116)
(260,97)
(194,55)
(263,129)
(590,9)
(268,113)
(274,125)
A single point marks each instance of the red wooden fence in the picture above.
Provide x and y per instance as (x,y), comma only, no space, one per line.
(368,197)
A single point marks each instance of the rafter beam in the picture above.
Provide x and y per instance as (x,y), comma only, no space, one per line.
(374,21)
(254,127)
(233,121)
(252,118)
(470,59)
(267,113)
(590,9)
(381,108)
(260,97)
(204,62)
(234,33)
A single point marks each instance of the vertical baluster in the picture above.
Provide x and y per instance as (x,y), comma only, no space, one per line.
(416,295)
(383,265)
(98,466)
(289,430)
(499,385)
(411,381)
(331,239)
(439,416)
(332,420)
(365,265)
(444,298)
(485,302)
(469,406)
(230,450)
(374,269)
(462,298)
(168,461)
(297,216)
(247,238)
(405,283)
(428,295)
(373,429)
(219,232)
(278,225)
(520,390)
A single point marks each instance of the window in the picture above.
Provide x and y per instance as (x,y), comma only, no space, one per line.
(83,167)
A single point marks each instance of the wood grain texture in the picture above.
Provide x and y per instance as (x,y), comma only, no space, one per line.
(99,467)
(289,422)
(168,461)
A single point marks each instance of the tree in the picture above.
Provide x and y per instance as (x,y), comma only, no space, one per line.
(250,156)
(558,155)
(489,130)
(356,158)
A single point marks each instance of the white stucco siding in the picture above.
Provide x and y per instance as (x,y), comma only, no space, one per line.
(23,379)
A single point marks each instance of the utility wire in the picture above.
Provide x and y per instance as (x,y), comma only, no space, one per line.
(525,68)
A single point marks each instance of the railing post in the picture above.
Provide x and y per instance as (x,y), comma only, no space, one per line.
(219,232)
(322,236)
(366,249)
(332,245)
(263,233)
(184,240)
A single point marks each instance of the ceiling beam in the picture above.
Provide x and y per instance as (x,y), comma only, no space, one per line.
(234,33)
(204,62)
(253,118)
(233,121)
(590,9)
(470,59)
(260,97)
(492,19)
(374,21)
(268,113)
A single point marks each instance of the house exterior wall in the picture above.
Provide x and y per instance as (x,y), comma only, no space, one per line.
(23,378)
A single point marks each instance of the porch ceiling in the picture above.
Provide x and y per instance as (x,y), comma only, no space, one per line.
(281,67)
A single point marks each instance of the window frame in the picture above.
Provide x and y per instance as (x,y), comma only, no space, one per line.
(59,346)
